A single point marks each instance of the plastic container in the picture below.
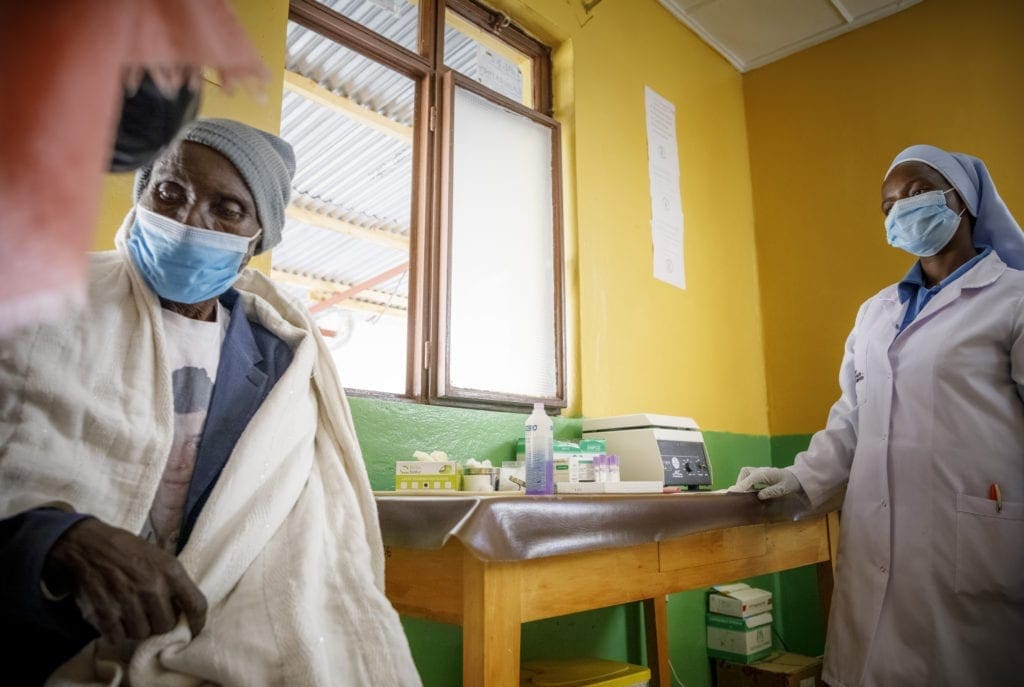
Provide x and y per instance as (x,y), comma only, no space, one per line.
(480,479)
(540,477)
(583,672)
(508,469)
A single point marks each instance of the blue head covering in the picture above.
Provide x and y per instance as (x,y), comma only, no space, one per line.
(994,225)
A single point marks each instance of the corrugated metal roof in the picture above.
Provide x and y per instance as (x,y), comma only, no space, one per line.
(345,168)
(325,254)
(396,20)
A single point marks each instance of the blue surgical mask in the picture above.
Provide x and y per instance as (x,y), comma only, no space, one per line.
(185,264)
(921,224)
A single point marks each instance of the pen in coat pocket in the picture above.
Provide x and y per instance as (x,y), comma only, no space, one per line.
(996,494)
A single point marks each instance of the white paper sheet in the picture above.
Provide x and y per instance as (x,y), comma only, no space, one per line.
(666,203)
(499,74)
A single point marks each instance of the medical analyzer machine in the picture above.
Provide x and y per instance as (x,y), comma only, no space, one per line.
(655,448)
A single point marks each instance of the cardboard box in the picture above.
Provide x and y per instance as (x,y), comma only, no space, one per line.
(778,670)
(415,475)
(743,640)
(739,600)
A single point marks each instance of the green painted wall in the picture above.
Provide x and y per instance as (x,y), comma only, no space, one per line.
(799,619)
(390,430)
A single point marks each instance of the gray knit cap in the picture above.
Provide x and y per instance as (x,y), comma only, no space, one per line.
(265,161)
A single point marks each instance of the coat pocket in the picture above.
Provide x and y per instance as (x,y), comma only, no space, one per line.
(989,548)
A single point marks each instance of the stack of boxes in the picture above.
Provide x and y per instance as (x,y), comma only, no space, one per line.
(739,623)
(572,462)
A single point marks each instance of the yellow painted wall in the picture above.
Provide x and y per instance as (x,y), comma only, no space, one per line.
(645,345)
(824,125)
(265,22)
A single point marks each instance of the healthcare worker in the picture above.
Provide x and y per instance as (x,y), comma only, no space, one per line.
(928,440)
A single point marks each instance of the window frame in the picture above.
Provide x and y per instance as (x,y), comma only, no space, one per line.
(430,236)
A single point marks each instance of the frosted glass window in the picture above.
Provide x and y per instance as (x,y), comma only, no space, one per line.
(502,331)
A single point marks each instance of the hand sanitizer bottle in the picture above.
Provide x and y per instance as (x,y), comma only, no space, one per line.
(539,452)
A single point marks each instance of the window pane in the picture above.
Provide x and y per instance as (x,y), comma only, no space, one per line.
(346,240)
(502,326)
(470,50)
(396,20)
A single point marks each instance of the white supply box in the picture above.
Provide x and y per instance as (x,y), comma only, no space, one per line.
(739,600)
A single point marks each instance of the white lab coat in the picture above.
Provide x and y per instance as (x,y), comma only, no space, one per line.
(930,579)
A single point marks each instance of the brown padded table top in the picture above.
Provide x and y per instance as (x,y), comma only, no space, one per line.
(497,527)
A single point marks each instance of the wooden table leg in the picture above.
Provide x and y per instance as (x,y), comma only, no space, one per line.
(491,623)
(827,569)
(656,626)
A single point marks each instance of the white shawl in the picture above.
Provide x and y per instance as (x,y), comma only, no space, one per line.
(287,549)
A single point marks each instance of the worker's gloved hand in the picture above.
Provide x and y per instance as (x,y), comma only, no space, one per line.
(124,586)
(774,482)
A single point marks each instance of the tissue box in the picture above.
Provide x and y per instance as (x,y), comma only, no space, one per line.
(415,475)
(740,600)
(743,640)
(778,670)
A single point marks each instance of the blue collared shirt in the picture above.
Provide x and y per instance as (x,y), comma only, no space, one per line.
(913,287)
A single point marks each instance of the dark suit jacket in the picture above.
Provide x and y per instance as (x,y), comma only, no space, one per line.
(47,633)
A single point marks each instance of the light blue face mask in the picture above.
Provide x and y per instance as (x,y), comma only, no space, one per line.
(185,264)
(921,224)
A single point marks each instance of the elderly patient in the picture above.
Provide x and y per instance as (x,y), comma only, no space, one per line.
(184,500)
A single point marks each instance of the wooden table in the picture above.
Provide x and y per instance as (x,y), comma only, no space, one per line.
(492,599)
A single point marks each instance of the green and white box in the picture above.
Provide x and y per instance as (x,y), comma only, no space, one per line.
(572,462)
(742,640)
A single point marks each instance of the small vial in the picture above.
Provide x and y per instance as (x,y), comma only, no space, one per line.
(613,468)
(601,468)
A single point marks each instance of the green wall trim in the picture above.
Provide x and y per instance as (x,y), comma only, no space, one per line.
(785,447)
(392,430)
(729,452)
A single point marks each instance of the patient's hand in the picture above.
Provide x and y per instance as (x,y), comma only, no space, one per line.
(124,586)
